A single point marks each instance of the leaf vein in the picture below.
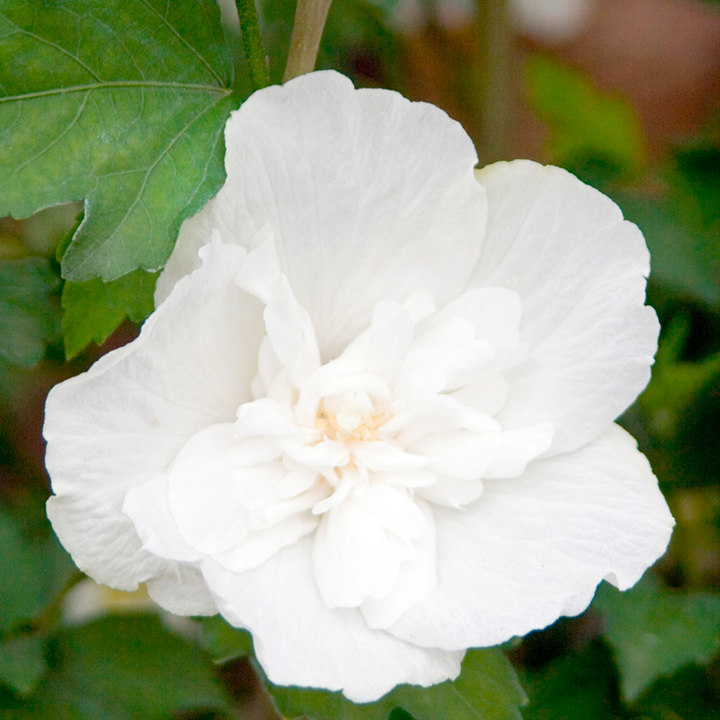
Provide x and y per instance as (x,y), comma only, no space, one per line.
(143,186)
(110,84)
(57,47)
(185,43)
(52,144)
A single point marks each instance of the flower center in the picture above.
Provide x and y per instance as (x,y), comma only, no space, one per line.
(349,416)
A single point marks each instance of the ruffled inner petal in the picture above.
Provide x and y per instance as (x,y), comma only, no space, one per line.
(231,511)
(362,543)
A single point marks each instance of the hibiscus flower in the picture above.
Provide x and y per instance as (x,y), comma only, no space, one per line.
(371,418)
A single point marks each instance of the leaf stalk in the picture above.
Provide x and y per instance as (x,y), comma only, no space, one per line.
(253,44)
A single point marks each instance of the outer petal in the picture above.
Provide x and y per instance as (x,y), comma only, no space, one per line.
(182,591)
(580,272)
(368,195)
(534,548)
(304,643)
(120,424)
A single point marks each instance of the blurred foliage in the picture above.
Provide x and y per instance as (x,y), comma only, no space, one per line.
(580,685)
(656,630)
(34,569)
(692,693)
(585,126)
(29,319)
(119,668)
(224,642)
(652,653)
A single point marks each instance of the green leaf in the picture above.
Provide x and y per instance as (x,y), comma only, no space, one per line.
(122,103)
(487,689)
(684,258)
(677,385)
(93,309)
(655,630)
(692,693)
(28,316)
(33,571)
(578,686)
(22,662)
(123,668)
(585,124)
(224,642)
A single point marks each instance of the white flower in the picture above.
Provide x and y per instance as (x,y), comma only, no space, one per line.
(372,419)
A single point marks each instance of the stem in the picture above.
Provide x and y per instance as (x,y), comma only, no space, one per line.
(253,44)
(495,48)
(310,17)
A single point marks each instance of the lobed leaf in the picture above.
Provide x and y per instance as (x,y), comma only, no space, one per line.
(121,103)
(93,309)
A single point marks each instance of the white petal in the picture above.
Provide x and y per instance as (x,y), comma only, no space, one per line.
(182,591)
(122,422)
(580,272)
(438,415)
(367,195)
(291,334)
(488,393)
(260,545)
(362,543)
(148,507)
(269,419)
(417,577)
(304,643)
(452,491)
(495,314)
(385,457)
(205,491)
(516,448)
(102,541)
(195,232)
(459,454)
(178,588)
(534,548)
(190,367)
(388,340)
(217,504)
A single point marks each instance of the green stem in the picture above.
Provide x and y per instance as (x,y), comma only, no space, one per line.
(253,43)
(310,17)
(496,62)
